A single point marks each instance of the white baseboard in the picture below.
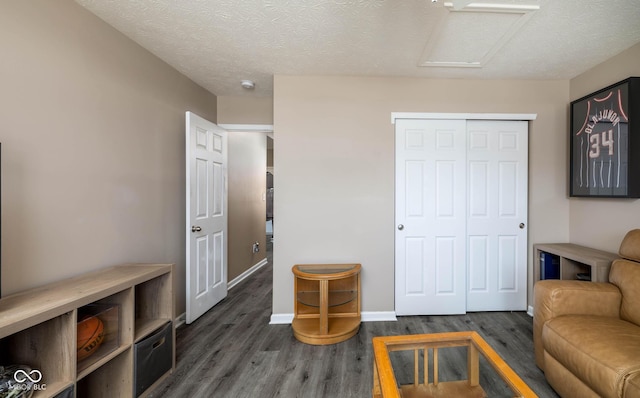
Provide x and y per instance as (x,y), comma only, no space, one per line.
(246,274)
(530,311)
(281,319)
(366,316)
(378,316)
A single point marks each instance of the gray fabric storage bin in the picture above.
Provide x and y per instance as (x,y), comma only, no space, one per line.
(152,358)
(66,393)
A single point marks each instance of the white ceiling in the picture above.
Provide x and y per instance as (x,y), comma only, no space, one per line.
(217,43)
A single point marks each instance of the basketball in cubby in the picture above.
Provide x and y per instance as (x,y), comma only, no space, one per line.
(90,336)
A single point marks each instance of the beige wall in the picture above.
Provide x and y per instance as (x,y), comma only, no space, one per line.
(92,132)
(602,223)
(334,161)
(247,209)
(245,110)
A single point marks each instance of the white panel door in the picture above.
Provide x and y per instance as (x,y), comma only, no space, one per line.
(497,215)
(206,203)
(430,217)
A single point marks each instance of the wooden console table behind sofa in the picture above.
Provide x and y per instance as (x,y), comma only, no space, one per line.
(575,259)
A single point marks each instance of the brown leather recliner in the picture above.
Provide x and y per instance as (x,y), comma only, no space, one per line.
(586,335)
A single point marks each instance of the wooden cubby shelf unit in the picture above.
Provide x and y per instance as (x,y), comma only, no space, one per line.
(38,328)
(575,259)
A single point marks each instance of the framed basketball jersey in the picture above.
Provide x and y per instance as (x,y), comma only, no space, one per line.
(604,142)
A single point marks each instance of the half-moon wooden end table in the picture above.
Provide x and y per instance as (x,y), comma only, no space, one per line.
(326,302)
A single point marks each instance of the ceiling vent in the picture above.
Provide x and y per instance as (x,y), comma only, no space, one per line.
(470,33)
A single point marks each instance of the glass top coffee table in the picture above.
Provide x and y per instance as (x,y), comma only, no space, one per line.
(402,354)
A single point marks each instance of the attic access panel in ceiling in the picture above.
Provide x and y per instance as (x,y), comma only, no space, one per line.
(470,34)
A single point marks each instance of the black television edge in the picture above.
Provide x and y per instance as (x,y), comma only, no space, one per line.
(0,220)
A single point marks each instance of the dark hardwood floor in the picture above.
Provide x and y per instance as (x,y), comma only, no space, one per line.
(232,351)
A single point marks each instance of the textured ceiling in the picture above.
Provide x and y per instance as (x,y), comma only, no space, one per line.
(217,43)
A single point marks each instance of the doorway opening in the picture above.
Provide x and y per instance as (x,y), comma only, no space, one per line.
(269,192)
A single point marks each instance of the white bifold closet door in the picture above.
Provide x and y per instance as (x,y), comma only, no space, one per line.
(461,213)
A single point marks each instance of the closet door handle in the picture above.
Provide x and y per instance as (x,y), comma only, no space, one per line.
(196,228)
(400,227)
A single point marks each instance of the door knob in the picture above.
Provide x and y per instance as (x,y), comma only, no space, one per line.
(195,228)
(400,227)
(521,225)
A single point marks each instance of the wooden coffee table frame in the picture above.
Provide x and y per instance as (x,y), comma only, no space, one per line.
(386,386)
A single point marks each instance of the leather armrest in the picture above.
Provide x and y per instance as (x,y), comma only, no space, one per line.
(552,298)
